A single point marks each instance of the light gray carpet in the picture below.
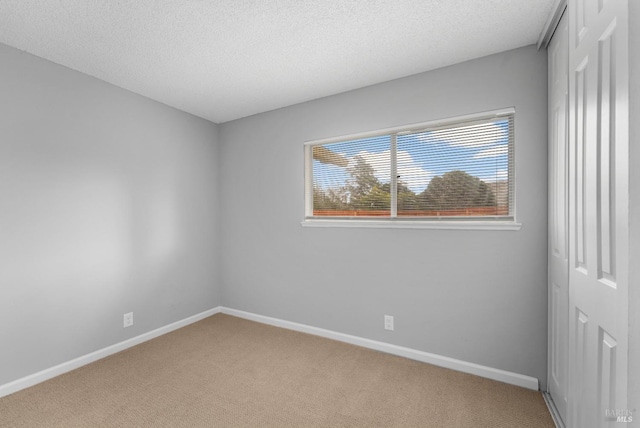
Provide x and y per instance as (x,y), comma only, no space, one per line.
(228,372)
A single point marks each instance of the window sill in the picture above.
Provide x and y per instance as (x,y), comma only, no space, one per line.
(408,224)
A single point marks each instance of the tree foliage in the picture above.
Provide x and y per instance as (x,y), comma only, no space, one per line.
(363,191)
(407,199)
(328,199)
(363,186)
(456,190)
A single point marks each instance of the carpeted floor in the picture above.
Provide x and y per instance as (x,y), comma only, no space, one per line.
(228,372)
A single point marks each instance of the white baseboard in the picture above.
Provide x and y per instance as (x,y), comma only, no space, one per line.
(437,360)
(426,357)
(41,376)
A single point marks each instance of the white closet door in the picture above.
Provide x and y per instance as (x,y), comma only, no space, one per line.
(558,60)
(598,210)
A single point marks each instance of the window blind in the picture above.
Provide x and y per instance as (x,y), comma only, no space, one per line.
(454,169)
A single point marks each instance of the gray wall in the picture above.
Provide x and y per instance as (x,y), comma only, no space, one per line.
(108,205)
(479,296)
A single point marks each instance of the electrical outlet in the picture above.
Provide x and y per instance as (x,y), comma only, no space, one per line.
(388,322)
(128,319)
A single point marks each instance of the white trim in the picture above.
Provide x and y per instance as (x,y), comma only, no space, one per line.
(408,224)
(555,415)
(413,354)
(551,24)
(451,222)
(393,187)
(308,181)
(437,360)
(449,121)
(41,376)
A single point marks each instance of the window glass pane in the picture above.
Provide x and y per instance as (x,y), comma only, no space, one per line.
(457,171)
(352,178)
(460,169)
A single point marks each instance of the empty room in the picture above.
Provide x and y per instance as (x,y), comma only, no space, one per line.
(319,214)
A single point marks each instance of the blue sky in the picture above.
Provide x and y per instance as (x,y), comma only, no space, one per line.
(480,150)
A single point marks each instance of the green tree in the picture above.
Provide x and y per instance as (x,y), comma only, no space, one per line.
(376,199)
(361,183)
(456,190)
(364,189)
(328,199)
(367,193)
(407,199)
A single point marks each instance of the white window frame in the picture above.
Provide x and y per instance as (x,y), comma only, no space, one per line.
(458,223)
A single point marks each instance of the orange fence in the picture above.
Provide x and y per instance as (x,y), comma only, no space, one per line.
(463,212)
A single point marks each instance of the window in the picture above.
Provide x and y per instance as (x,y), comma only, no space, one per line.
(459,170)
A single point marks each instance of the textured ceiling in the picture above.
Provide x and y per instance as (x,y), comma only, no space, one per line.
(227,59)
